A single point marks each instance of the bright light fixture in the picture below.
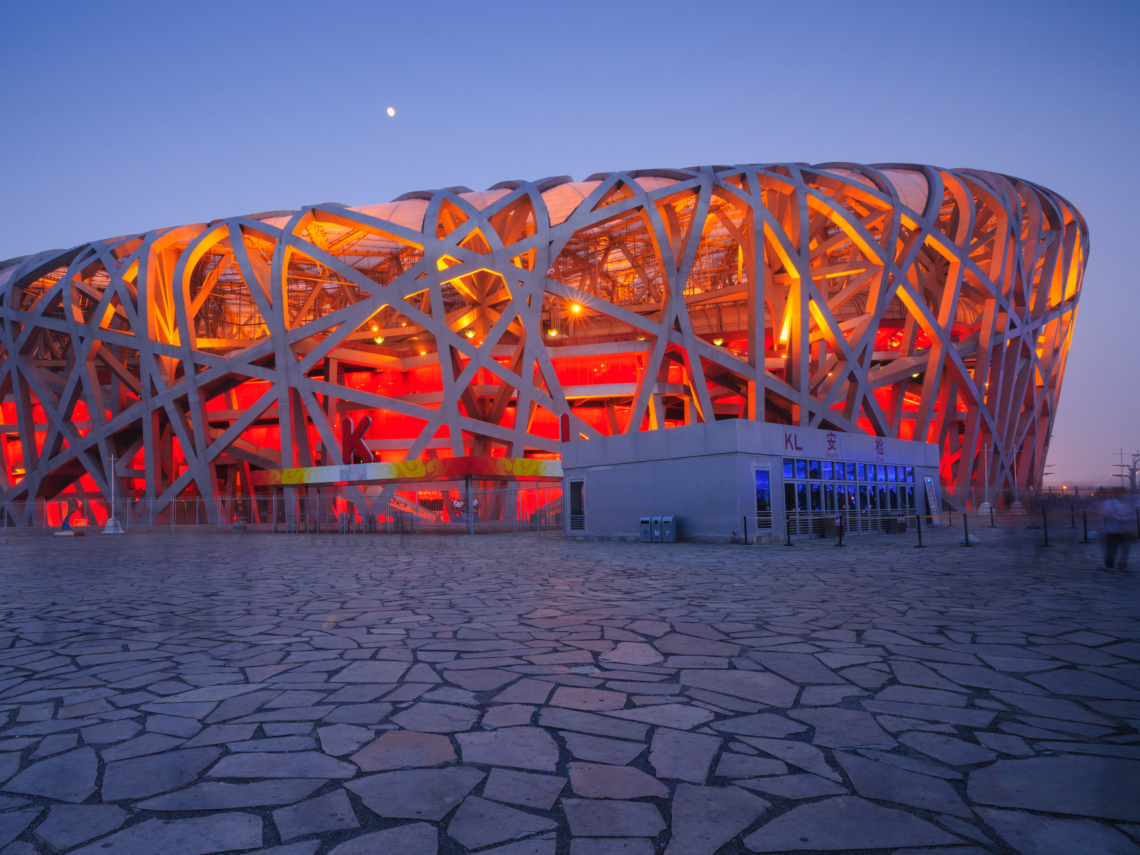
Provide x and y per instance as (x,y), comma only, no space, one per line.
(379,339)
(575,308)
(470,333)
(718,341)
(552,333)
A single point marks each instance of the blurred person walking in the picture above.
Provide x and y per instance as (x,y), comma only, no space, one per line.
(1116,517)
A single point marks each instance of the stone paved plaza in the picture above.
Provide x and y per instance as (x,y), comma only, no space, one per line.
(184,695)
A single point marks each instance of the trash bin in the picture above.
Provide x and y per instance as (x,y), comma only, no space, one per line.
(900,524)
(657,529)
(668,529)
(647,529)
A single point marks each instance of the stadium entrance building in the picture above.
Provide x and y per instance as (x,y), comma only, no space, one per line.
(718,479)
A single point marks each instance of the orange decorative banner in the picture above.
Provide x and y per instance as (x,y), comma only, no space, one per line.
(445,469)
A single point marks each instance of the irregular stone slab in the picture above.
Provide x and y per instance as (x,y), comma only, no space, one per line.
(632,653)
(897,724)
(576,698)
(216,795)
(798,667)
(863,676)
(1051,708)
(301,764)
(916,674)
(341,739)
(598,781)
(687,645)
(585,722)
(330,812)
(918,695)
(524,692)
(480,823)
(1084,684)
(616,752)
(1006,743)
(353,713)
(1031,834)
(220,734)
(416,793)
(399,749)
(741,766)
(826,696)
(681,755)
(239,706)
(951,715)
(508,715)
(846,822)
(911,764)
(544,845)
(373,671)
(794,786)
(839,728)
(676,716)
(54,744)
(523,788)
(706,818)
(66,777)
(148,743)
(761,724)
(887,783)
(520,747)
(951,751)
(275,743)
(226,832)
(1103,787)
(985,678)
(759,686)
(172,725)
(611,846)
(480,679)
(13,823)
(798,754)
(157,773)
(211,694)
(437,718)
(418,838)
(70,825)
(111,731)
(604,818)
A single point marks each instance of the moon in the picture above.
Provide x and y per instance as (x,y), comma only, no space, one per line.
(391,111)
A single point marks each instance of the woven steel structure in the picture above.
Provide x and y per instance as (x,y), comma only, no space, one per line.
(898,300)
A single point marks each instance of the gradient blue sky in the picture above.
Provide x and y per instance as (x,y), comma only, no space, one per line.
(119,117)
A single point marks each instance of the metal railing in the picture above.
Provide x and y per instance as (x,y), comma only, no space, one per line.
(818,523)
(973,499)
(510,510)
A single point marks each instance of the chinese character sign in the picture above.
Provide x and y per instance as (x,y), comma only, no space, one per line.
(831,446)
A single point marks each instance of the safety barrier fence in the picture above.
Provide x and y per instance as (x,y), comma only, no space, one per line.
(406,511)
(1072,523)
(980,500)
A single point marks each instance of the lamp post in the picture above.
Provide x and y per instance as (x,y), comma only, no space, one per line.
(113,526)
(986,507)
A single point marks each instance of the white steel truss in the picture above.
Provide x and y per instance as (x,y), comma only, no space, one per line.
(899,300)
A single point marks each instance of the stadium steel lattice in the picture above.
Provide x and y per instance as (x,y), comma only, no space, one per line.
(898,300)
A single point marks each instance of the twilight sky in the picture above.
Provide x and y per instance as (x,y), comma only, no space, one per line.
(119,117)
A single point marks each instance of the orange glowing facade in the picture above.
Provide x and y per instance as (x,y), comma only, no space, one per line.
(897,300)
